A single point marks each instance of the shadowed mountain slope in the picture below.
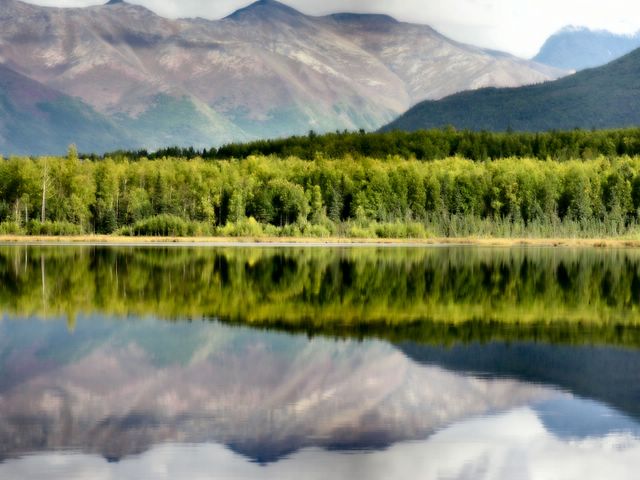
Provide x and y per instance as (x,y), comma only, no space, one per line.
(35,119)
(605,97)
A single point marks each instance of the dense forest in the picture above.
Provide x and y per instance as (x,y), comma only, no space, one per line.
(421,145)
(272,196)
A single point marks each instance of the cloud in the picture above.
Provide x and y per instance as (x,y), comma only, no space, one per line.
(507,446)
(518,26)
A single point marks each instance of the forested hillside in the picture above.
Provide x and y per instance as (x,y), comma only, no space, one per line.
(604,97)
(269,196)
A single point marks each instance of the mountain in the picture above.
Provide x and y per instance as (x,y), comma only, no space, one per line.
(266,70)
(604,97)
(577,48)
(431,66)
(35,119)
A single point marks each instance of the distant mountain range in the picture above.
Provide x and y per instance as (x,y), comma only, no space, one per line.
(120,76)
(604,97)
(577,48)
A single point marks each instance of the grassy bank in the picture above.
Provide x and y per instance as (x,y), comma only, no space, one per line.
(329,241)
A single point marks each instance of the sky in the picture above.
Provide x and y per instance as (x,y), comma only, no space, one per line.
(516,26)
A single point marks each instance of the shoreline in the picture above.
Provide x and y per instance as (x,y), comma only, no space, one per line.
(108,240)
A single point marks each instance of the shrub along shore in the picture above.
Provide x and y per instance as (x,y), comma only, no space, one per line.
(275,197)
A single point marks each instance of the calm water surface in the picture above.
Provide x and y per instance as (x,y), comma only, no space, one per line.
(440,363)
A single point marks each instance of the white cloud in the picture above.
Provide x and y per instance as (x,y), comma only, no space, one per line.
(514,445)
(518,26)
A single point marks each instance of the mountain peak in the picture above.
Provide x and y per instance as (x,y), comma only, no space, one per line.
(124,6)
(263,9)
(572,29)
(373,18)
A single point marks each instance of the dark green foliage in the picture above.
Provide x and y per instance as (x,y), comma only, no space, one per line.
(166,226)
(104,209)
(60,228)
(422,145)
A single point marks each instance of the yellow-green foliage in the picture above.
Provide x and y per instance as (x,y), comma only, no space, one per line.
(292,197)
(400,291)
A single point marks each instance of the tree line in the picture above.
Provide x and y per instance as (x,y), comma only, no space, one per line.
(421,145)
(274,196)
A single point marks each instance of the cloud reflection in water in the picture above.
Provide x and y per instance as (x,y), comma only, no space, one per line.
(511,446)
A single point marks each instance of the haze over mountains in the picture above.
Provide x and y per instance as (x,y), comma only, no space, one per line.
(577,48)
(604,97)
(140,80)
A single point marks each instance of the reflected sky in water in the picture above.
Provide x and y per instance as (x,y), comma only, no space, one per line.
(150,399)
(136,395)
(510,445)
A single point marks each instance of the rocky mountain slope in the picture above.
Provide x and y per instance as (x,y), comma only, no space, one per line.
(267,70)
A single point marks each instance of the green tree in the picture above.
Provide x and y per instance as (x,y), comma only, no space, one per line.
(318,213)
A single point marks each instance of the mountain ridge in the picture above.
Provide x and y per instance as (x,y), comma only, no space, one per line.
(598,98)
(250,75)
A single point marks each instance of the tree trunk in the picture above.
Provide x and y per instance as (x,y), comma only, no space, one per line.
(43,211)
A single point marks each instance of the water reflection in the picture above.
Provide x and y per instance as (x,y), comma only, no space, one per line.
(441,363)
(611,375)
(263,395)
(510,446)
(437,295)
(168,399)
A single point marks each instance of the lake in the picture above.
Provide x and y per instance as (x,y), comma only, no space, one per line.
(342,363)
